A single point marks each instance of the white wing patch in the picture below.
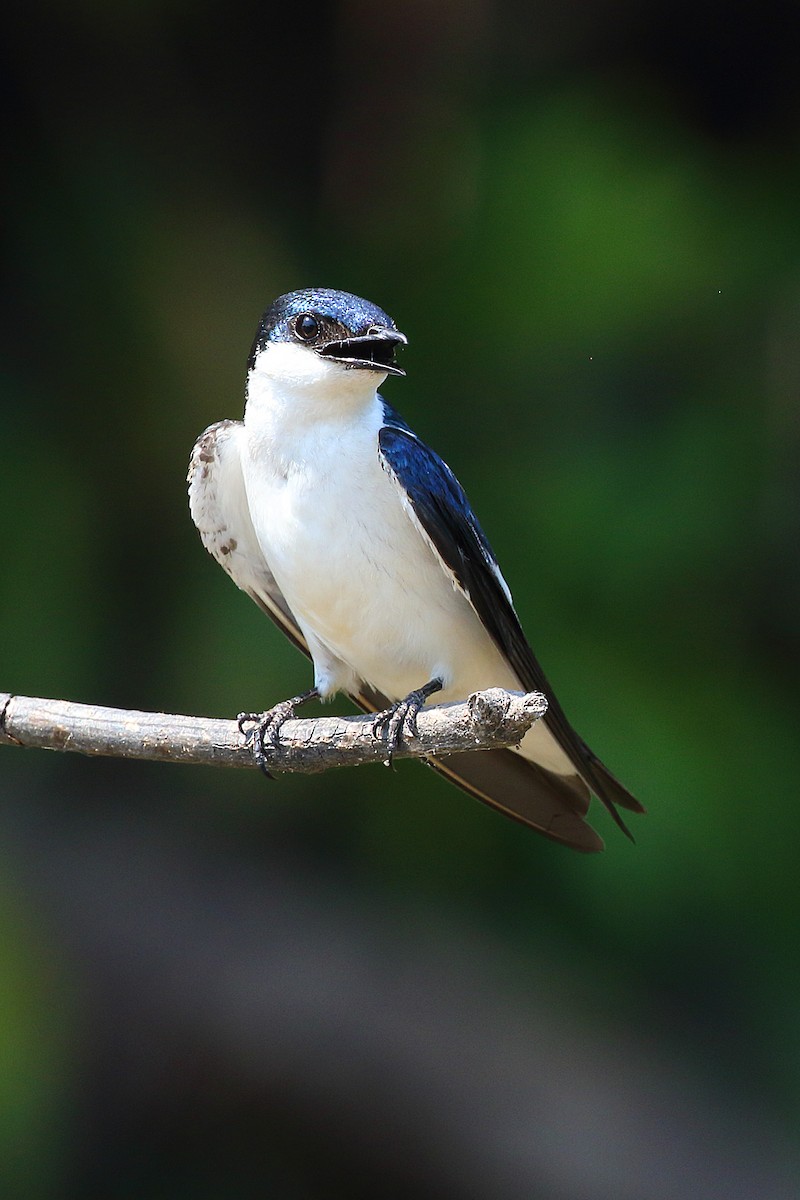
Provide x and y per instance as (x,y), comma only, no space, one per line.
(219,508)
(494,567)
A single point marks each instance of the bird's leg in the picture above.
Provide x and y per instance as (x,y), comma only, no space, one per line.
(256,727)
(401,718)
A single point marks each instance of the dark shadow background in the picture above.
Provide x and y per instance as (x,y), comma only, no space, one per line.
(586,220)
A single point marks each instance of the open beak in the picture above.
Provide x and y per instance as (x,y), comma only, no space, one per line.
(374,351)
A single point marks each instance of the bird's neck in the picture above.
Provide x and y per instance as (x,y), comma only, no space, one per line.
(292,426)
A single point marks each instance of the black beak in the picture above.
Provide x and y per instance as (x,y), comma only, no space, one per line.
(374,351)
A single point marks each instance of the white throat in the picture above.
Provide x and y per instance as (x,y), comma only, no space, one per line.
(295,399)
(285,374)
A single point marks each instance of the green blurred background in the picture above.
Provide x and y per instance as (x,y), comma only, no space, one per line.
(586,221)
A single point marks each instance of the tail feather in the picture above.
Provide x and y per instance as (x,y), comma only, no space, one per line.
(610,789)
(525,791)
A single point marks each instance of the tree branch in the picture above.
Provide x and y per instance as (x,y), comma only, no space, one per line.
(488,720)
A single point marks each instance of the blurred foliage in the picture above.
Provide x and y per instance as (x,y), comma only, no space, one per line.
(589,233)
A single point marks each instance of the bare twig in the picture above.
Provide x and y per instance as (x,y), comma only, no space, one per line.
(486,721)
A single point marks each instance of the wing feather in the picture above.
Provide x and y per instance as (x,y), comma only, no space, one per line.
(219,508)
(441,507)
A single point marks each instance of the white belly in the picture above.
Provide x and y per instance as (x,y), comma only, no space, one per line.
(359,576)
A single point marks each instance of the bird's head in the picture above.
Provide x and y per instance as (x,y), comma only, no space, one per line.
(325,339)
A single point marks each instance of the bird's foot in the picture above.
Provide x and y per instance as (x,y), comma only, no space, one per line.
(400,720)
(262,730)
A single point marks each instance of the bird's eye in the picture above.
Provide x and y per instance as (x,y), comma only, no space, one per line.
(306,327)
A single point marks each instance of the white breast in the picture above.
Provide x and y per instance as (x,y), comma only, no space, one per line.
(358,575)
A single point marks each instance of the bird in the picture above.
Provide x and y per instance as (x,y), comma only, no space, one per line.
(358,540)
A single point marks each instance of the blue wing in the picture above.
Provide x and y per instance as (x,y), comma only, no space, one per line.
(442,508)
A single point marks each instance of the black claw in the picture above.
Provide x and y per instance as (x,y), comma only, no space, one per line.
(247,718)
(260,756)
(401,718)
(267,725)
(259,727)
